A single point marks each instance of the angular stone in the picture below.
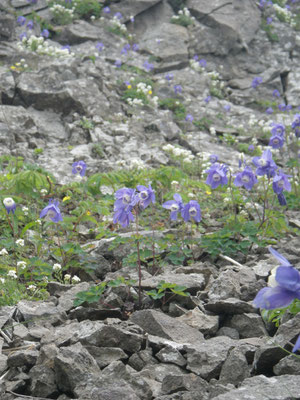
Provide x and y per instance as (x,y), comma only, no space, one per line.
(206,359)
(193,282)
(229,306)
(159,324)
(235,368)
(226,285)
(43,382)
(35,310)
(285,387)
(189,382)
(72,365)
(106,355)
(248,325)
(289,365)
(66,300)
(20,358)
(207,324)
(171,355)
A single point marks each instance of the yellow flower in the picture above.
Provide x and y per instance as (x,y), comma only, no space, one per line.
(12,67)
(88,213)
(150,92)
(18,64)
(129,86)
(208,192)
(66,198)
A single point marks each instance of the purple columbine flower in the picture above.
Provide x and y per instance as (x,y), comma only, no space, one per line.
(125,198)
(281,182)
(148,66)
(106,10)
(227,107)
(296,121)
(191,211)
(123,216)
(281,199)
(202,63)
(125,49)
(145,196)
(79,167)
(282,107)
(276,141)
(45,33)
(276,93)
(99,46)
(265,164)
(118,15)
(288,107)
(30,24)
(177,89)
(169,77)
(256,82)
(207,99)
(269,20)
(213,158)
(175,206)
(10,205)
(251,147)
(66,47)
(287,280)
(269,110)
(135,47)
(297,345)
(118,63)
(189,118)
(21,20)
(245,178)
(196,57)
(216,175)
(297,132)
(22,35)
(278,129)
(51,211)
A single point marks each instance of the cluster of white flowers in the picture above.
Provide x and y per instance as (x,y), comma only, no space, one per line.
(41,46)
(178,152)
(59,11)
(25,210)
(20,242)
(194,64)
(12,274)
(56,268)
(43,191)
(215,79)
(75,279)
(21,264)
(3,252)
(136,163)
(116,23)
(67,278)
(2,280)
(135,102)
(182,13)
(31,288)
(285,14)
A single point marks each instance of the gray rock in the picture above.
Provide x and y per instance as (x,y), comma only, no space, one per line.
(248,325)
(226,285)
(189,382)
(7,26)
(139,360)
(229,306)
(72,365)
(66,300)
(227,331)
(282,387)
(106,355)
(207,324)
(231,22)
(42,381)
(171,355)
(289,365)
(20,358)
(159,324)
(193,282)
(206,359)
(33,311)
(235,368)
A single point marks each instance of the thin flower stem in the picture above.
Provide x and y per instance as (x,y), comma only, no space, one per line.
(10,224)
(138,258)
(254,205)
(232,197)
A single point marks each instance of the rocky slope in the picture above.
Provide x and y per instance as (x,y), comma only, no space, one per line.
(59,109)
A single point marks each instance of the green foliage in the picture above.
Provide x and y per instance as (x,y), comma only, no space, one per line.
(86,123)
(269,29)
(203,123)
(11,292)
(276,315)
(216,92)
(244,148)
(175,106)
(86,8)
(29,182)
(164,288)
(182,20)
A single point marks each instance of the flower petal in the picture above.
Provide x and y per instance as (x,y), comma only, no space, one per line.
(275,297)
(297,345)
(288,278)
(283,261)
